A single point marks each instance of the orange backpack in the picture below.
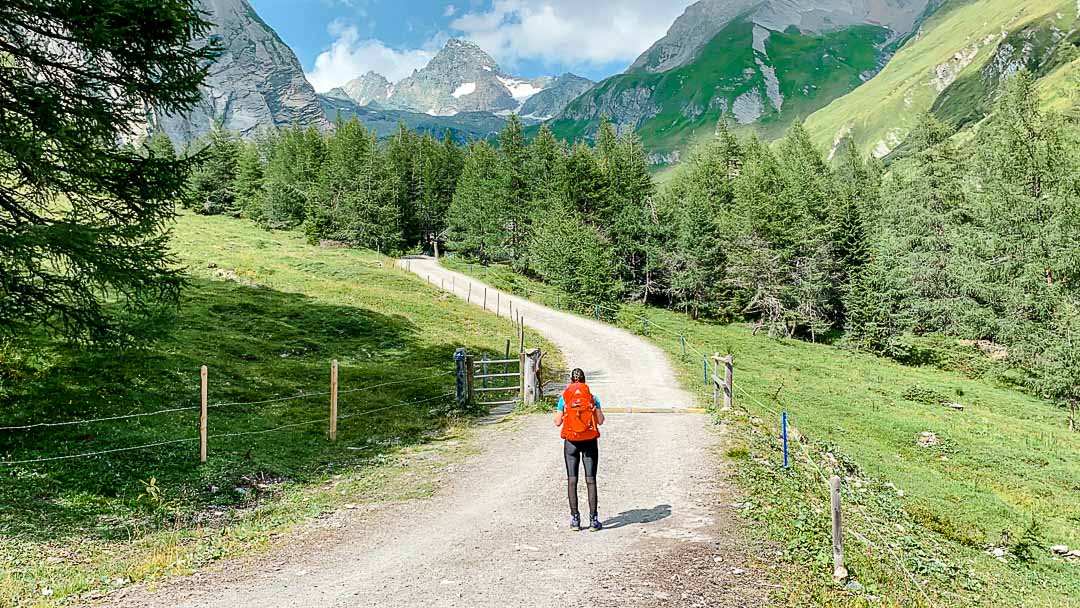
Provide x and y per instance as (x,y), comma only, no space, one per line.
(579,414)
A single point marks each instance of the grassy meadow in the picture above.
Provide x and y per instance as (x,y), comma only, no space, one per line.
(266,312)
(1004,475)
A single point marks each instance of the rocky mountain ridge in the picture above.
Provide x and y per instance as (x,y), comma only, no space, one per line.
(464,78)
(256,84)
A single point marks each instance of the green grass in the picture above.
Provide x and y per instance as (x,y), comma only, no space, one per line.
(812,71)
(880,114)
(74,527)
(1004,462)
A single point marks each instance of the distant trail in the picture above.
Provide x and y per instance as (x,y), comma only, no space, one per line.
(497,534)
(624,369)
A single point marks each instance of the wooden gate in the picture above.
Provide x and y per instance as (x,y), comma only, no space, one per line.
(490,382)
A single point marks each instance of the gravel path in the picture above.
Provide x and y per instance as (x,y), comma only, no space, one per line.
(497,535)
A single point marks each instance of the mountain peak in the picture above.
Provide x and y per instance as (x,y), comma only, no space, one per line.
(460,53)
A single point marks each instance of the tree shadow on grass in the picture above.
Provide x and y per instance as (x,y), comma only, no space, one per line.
(259,344)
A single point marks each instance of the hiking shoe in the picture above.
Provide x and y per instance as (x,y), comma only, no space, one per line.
(575,523)
(595,524)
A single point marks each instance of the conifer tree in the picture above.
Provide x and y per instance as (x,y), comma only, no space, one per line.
(354,198)
(924,235)
(575,257)
(478,223)
(517,205)
(212,185)
(702,196)
(404,156)
(292,168)
(249,178)
(583,183)
(544,165)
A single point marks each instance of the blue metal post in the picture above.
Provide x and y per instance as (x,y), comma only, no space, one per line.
(705,369)
(783,424)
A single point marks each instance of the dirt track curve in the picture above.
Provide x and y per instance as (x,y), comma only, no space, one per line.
(497,535)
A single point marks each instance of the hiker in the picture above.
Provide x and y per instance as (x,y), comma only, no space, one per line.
(580,417)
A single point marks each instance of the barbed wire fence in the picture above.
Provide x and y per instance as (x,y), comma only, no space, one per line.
(755,420)
(203,438)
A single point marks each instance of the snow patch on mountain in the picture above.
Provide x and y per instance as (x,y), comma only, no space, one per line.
(466,89)
(520,90)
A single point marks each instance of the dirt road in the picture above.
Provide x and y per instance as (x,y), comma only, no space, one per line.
(497,535)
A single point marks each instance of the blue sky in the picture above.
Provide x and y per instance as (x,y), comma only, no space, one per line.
(337,40)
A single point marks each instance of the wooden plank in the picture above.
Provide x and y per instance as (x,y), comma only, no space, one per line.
(495,389)
(482,376)
(492,403)
(653,410)
(502,361)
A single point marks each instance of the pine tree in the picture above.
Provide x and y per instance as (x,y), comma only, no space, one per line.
(1029,218)
(518,208)
(575,257)
(440,167)
(478,223)
(631,219)
(583,184)
(355,197)
(702,196)
(249,178)
(405,159)
(212,185)
(544,166)
(292,168)
(924,235)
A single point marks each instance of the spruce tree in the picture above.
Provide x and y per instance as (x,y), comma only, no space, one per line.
(517,205)
(544,165)
(583,184)
(702,197)
(478,222)
(294,160)
(354,199)
(249,178)
(212,185)
(82,219)
(404,156)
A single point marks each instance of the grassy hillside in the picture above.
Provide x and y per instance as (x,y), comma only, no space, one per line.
(672,109)
(266,312)
(947,56)
(1004,475)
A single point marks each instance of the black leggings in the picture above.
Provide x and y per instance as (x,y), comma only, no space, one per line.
(575,452)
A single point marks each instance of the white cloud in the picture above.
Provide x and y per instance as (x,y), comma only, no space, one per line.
(569,32)
(449,11)
(350,56)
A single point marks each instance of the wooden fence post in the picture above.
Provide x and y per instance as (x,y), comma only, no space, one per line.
(470,380)
(729,381)
(470,293)
(498,304)
(333,399)
(485,298)
(840,571)
(521,375)
(521,334)
(202,415)
(462,376)
(716,383)
(531,371)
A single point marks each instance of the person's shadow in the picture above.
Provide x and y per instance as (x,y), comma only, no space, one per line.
(638,516)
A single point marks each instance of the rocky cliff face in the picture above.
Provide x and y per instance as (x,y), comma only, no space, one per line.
(696,27)
(256,84)
(553,100)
